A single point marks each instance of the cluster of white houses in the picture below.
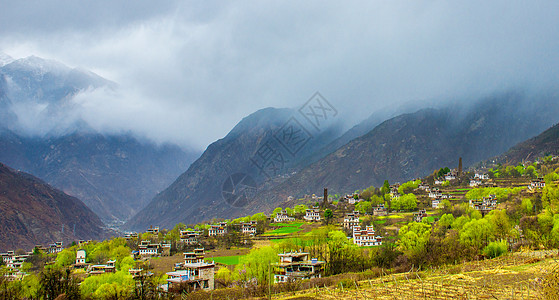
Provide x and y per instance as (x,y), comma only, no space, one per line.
(14,263)
(484,205)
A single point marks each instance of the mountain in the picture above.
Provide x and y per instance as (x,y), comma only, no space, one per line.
(414,145)
(32,212)
(546,143)
(401,148)
(5,59)
(116,175)
(281,140)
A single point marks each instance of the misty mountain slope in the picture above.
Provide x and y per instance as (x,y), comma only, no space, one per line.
(414,145)
(32,212)
(114,174)
(197,194)
(546,143)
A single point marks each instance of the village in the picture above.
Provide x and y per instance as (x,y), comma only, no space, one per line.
(189,258)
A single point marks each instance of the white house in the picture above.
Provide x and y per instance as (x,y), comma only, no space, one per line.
(418,216)
(481,176)
(537,183)
(351,220)
(283,217)
(436,202)
(80,257)
(366,237)
(312,214)
(435,193)
(219,229)
(147,248)
(249,228)
(450,176)
(475,182)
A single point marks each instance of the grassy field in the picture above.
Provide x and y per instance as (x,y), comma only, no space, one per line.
(285,229)
(282,231)
(294,224)
(226,260)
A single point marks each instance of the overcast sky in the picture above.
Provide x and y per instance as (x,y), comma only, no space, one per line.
(189,71)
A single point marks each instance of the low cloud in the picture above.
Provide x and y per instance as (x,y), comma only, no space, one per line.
(189,71)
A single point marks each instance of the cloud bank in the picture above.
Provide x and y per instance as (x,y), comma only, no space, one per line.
(189,71)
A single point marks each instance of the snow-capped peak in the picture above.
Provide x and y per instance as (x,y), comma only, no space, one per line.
(5,59)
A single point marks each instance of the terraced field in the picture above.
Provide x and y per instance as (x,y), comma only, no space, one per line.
(509,277)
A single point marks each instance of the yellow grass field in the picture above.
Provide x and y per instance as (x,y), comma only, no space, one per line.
(517,276)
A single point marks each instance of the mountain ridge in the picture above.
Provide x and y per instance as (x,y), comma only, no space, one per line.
(32,212)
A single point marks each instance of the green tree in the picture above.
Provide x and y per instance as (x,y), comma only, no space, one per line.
(300,209)
(385,189)
(476,233)
(276,211)
(256,264)
(328,214)
(259,217)
(289,211)
(363,207)
(55,282)
(404,202)
(414,238)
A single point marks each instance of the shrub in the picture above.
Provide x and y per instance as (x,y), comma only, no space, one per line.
(495,249)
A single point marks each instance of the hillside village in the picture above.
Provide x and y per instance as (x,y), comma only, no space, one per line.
(448,218)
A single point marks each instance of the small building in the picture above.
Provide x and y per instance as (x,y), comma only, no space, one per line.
(165,249)
(135,272)
(153,230)
(484,205)
(147,248)
(249,228)
(435,193)
(418,216)
(312,214)
(439,181)
(450,176)
(283,217)
(189,237)
(109,267)
(195,272)
(366,237)
(219,229)
(435,203)
(54,248)
(297,266)
(475,182)
(481,176)
(131,235)
(351,220)
(80,259)
(423,187)
(380,210)
(537,184)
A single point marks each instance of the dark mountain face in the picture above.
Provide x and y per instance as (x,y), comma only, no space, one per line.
(32,212)
(546,143)
(115,175)
(254,148)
